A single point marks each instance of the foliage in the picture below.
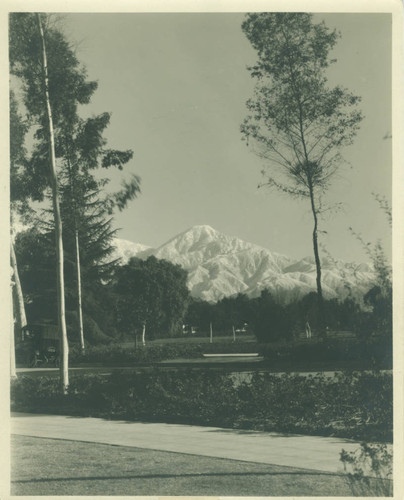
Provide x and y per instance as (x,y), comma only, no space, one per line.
(68,87)
(369,470)
(35,254)
(19,188)
(374,353)
(300,123)
(270,321)
(151,291)
(353,405)
(296,123)
(116,355)
(80,148)
(380,297)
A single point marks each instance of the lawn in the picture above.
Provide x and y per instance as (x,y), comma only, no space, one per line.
(240,338)
(58,467)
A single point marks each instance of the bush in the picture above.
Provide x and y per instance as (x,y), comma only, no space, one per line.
(114,354)
(374,353)
(352,405)
(369,470)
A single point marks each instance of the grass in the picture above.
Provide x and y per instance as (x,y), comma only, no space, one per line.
(240,338)
(58,467)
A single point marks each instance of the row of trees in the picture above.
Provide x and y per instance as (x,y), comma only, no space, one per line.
(271,321)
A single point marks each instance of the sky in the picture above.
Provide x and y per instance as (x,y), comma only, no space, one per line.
(176,85)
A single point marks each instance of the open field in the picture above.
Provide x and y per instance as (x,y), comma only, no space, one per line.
(58,467)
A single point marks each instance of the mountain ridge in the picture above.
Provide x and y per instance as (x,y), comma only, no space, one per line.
(220,266)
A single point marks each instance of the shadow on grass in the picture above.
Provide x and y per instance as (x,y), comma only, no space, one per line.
(172,476)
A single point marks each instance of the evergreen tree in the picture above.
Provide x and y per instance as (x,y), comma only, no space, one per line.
(79,146)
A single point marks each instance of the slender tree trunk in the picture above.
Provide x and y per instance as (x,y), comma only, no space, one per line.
(64,346)
(80,308)
(78,267)
(144,334)
(211,334)
(318,263)
(234,334)
(17,291)
(13,372)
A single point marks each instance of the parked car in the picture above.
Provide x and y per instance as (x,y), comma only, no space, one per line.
(39,345)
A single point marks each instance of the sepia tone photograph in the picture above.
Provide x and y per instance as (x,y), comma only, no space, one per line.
(201,214)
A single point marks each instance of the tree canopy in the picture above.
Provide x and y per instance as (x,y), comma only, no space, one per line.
(154,292)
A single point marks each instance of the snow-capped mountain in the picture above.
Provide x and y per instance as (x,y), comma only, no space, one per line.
(221,266)
(125,249)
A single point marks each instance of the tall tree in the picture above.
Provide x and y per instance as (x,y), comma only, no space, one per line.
(296,122)
(151,293)
(60,290)
(18,207)
(53,86)
(82,149)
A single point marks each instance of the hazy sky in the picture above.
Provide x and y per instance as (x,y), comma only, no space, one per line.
(177,84)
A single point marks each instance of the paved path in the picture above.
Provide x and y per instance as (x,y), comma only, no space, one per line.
(308,452)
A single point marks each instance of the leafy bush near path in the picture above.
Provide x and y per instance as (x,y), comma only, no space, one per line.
(355,405)
(369,470)
(352,405)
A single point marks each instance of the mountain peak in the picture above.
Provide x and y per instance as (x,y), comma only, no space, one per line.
(199,231)
(202,227)
(219,266)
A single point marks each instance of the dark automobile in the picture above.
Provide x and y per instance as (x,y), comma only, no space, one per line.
(38,345)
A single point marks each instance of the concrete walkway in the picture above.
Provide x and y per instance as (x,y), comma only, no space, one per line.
(308,452)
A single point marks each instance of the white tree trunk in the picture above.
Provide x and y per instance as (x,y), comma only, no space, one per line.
(144,334)
(17,291)
(64,346)
(13,373)
(234,334)
(211,333)
(80,308)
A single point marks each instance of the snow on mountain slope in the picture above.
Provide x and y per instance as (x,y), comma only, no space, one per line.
(220,266)
(125,249)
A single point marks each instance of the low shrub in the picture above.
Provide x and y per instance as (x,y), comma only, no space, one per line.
(115,355)
(352,405)
(375,353)
(369,470)
(356,405)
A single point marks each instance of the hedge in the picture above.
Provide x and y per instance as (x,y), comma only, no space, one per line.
(374,353)
(351,405)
